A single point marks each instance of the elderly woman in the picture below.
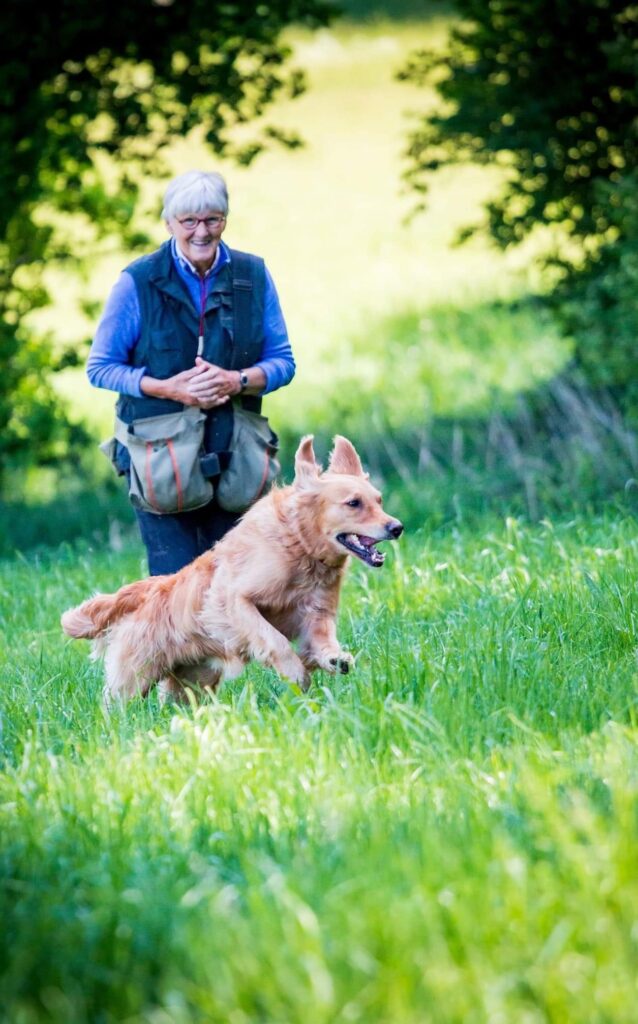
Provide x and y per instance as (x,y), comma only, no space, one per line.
(193,326)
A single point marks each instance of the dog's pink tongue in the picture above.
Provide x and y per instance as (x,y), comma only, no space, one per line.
(367,541)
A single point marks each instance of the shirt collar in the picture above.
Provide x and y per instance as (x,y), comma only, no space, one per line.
(222,257)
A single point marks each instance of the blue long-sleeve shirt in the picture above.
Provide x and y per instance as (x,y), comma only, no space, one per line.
(108,365)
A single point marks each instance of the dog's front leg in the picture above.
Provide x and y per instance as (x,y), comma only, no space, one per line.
(320,647)
(266,644)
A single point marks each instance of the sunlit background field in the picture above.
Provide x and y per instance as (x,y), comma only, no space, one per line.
(357,277)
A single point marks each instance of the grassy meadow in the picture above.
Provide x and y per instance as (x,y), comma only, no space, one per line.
(448,834)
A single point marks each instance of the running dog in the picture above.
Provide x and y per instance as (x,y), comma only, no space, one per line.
(274,578)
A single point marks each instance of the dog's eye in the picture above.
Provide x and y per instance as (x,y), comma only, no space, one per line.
(354,503)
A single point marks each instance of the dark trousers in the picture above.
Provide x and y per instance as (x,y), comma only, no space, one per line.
(172,541)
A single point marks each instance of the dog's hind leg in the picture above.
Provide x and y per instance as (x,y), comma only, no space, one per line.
(197,678)
(124,677)
(171,689)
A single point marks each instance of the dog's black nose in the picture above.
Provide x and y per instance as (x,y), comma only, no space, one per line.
(395,528)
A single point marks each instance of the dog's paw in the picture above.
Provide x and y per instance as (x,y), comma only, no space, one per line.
(294,671)
(342,663)
(299,685)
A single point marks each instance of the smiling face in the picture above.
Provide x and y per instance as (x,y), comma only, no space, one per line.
(198,236)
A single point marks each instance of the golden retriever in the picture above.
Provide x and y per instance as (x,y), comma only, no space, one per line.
(273,579)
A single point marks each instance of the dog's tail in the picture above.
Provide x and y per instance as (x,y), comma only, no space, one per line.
(93,617)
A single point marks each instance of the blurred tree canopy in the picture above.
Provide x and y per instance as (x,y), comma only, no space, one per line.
(548,91)
(87,88)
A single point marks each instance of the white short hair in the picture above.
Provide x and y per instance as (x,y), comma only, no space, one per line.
(195,192)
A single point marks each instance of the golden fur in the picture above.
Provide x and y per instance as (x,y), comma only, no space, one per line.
(273,579)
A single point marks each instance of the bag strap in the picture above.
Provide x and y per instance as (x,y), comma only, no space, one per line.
(249,278)
(248,275)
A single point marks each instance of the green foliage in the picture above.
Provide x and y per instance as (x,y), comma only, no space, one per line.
(89,91)
(598,305)
(359,11)
(446,835)
(548,92)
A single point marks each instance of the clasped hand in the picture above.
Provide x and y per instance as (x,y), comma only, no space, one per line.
(205,385)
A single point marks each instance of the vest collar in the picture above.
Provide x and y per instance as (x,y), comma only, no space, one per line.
(222,256)
(165,276)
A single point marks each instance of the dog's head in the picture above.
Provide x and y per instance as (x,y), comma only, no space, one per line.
(347,515)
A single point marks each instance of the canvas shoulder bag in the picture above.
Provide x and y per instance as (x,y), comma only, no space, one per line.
(253,465)
(166,474)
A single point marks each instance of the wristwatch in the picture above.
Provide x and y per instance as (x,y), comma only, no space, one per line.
(243,381)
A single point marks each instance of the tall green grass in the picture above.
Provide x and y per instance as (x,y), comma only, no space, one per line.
(446,835)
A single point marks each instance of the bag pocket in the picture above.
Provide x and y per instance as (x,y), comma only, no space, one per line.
(253,465)
(166,474)
(117,455)
(109,448)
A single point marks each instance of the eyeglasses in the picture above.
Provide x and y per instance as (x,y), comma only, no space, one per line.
(191,223)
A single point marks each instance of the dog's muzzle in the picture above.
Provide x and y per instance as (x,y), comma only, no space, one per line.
(364,547)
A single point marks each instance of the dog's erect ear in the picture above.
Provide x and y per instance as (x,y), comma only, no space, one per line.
(306,467)
(344,458)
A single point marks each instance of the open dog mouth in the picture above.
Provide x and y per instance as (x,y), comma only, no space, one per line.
(363,547)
